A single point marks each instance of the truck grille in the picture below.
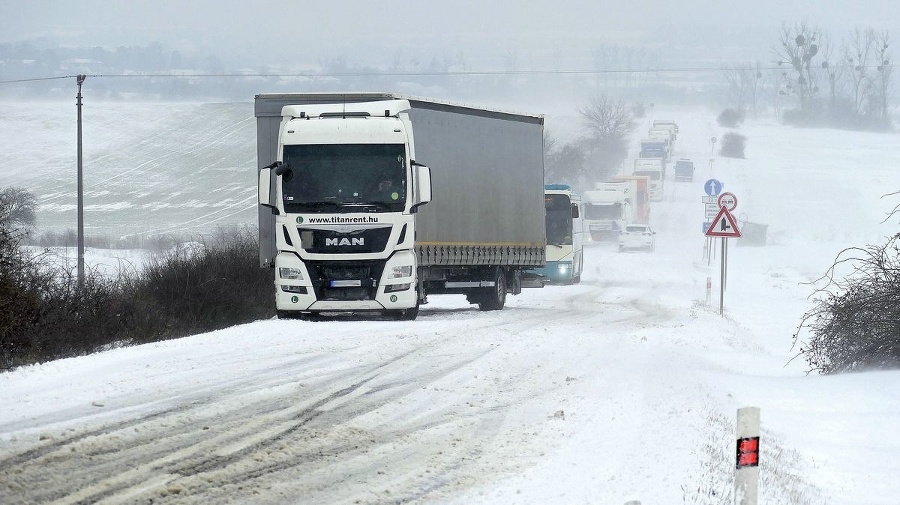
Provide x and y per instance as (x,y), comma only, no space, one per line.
(333,242)
(336,281)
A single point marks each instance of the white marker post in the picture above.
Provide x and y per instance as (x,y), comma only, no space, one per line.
(746,473)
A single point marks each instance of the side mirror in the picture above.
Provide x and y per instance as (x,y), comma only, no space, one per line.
(264,185)
(574,211)
(422,187)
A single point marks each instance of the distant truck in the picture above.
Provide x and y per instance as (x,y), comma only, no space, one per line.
(347,219)
(641,200)
(565,235)
(668,124)
(608,208)
(655,170)
(659,133)
(654,148)
(684,170)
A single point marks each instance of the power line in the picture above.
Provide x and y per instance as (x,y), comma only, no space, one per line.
(450,73)
(388,73)
(39,79)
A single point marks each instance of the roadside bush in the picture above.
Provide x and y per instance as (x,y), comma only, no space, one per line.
(733,145)
(855,324)
(730,118)
(46,315)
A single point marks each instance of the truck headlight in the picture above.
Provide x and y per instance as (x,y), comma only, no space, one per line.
(391,288)
(287,273)
(400,271)
(563,268)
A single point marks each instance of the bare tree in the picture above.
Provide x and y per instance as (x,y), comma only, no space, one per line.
(609,123)
(798,47)
(881,79)
(605,117)
(858,55)
(743,86)
(17,208)
(833,69)
(563,163)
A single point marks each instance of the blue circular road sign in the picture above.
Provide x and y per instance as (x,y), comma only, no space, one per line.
(713,187)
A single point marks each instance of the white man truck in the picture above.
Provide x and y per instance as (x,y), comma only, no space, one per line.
(373,201)
(608,208)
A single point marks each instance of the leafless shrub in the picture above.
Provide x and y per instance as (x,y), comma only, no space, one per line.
(733,145)
(855,324)
(730,118)
(46,314)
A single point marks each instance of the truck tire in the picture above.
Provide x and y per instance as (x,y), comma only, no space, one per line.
(494,298)
(287,314)
(404,314)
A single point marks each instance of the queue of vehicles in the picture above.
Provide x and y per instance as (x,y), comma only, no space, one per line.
(368,204)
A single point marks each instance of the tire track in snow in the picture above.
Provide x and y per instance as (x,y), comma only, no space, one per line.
(192,455)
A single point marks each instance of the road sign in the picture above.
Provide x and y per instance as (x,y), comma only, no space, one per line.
(727,200)
(712,210)
(706,225)
(723,225)
(713,187)
(709,199)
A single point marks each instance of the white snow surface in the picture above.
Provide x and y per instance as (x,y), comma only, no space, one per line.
(623,387)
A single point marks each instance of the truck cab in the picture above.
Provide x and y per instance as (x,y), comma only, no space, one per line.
(608,208)
(342,240)
(684,170)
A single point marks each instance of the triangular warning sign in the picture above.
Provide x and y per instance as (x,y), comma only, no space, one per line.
(723,225)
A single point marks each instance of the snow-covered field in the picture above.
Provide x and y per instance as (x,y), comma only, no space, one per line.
(624,387)
(148,168)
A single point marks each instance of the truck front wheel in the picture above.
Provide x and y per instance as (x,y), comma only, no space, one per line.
(494,298)
(404,314)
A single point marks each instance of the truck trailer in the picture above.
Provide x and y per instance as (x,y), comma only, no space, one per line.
(641,196)
(373,201)
(655,170)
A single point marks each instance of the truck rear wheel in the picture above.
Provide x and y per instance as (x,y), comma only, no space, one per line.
(494,298)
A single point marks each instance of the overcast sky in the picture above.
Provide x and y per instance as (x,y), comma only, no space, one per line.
(270,30)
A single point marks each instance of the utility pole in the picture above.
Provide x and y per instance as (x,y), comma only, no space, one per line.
(80,81)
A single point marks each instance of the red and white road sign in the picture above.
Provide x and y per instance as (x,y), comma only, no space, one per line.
(728,200)
(723,225)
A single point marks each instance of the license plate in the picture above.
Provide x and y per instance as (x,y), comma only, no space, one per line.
(346,283)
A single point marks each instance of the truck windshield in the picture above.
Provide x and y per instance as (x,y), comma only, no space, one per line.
(653,174)
(558,219)
(344,178)
(603,211)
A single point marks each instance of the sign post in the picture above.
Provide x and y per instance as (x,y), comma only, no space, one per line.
(723,226)
(746,473)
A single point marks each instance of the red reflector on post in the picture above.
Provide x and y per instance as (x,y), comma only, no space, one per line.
(747,452)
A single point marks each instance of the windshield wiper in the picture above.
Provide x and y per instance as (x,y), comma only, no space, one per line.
(376,203)
(318,205)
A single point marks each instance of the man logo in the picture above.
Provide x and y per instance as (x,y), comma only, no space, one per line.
(344,241)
